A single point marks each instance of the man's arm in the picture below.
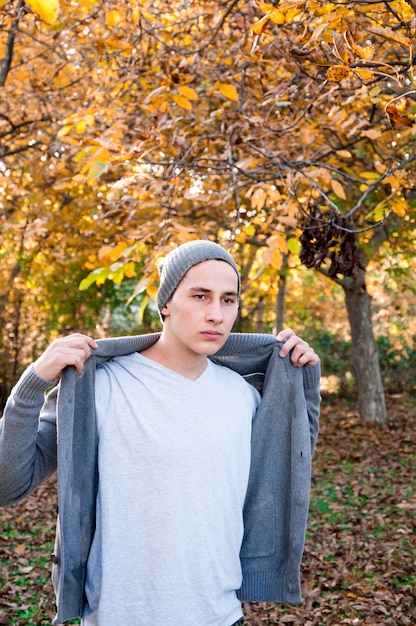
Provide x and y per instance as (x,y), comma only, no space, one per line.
(28,426)
(27,437)
(303,353)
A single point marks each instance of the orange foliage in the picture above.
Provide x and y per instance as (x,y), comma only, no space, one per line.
(145,124)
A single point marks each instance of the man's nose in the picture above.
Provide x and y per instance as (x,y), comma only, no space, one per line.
(214,312)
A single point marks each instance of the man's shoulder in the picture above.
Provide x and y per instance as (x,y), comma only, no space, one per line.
(119,346)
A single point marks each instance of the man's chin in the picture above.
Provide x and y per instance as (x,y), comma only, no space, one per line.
(214,347)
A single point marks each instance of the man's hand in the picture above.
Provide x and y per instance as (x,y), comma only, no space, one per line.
(72,350)
(302,353)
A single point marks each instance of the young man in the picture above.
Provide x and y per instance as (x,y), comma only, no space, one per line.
(182,488)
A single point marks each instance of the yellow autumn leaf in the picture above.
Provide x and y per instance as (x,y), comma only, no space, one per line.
(80,127)
(47,10)
(188,92)
(366,52)
(276,261)
(364,74)
(152,291)
(117,44)
(113,253)
(345,154)
(265,7)
(380,167)
(277,17)
(336,73)
(292,14)
(370,175)
(162,105)
(149,17)
(259,26)
(64,130)
(338,189)
(112,18)
(391,180)
(229,91)
(399,206)
(130,269)
(240,237)
(182,102)
(98,153)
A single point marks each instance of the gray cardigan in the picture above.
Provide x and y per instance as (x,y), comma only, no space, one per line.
(36,436)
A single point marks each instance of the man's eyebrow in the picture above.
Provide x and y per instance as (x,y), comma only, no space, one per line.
(206,290)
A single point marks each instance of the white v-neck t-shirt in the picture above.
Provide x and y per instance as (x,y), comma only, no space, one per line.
(174,460)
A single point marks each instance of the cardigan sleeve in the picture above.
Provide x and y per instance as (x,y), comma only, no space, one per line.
(27,437)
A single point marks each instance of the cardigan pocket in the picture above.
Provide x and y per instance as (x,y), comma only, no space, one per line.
(259,527)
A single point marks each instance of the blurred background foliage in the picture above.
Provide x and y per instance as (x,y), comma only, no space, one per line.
(284,132)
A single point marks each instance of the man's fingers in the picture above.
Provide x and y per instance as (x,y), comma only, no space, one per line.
(302,353)
(285,334)
(290,343)
(71,350)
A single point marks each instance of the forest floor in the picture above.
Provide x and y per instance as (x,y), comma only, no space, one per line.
(359,566)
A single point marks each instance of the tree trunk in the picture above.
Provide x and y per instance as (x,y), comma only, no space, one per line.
(281,297)
(365,357)
(260,316)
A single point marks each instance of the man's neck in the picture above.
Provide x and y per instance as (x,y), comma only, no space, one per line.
(185,363)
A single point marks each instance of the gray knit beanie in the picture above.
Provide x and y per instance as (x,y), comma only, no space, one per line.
(175,265)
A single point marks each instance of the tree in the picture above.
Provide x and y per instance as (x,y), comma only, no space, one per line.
(343,223)
(255,124)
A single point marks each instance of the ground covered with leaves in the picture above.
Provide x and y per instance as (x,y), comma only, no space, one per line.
(359,566)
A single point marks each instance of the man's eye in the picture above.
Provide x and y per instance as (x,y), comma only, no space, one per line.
(229,300)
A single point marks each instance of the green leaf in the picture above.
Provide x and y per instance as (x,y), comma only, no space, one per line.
(293,245)
(97,168)
(97,276)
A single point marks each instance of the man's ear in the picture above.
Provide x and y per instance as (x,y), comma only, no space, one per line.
(165,311)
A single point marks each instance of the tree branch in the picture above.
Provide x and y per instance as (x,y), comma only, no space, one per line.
(8,55)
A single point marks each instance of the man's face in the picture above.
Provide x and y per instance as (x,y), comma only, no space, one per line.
(201,313)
